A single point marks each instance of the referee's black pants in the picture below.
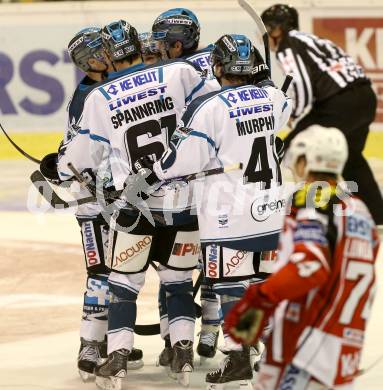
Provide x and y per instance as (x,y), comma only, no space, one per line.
(352,111)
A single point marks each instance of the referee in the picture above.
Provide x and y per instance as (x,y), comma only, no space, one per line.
(329,89)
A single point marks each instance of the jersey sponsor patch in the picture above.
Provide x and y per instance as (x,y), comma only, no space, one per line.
(186,250)
(92,256)
(310,231)
(212,261)
(237,263)
(130,252)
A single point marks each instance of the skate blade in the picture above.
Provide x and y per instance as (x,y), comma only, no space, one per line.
(134,365)
(110,383)
(86,376)
(242,385)
(183,378)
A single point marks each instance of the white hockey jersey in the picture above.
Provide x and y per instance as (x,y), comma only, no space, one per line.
(239,209)
(135,115)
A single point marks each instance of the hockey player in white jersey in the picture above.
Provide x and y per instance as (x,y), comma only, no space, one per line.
(178,32)
(240,213)
(126,118)
(86,52)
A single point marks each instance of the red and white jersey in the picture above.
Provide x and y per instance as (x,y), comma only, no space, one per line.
(324,285)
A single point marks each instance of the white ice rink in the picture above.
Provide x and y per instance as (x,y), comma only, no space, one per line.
(41,286)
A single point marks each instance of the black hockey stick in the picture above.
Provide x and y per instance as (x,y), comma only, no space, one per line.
(25,154)
(154,329)
(47,192)
(245,4)
(286,83)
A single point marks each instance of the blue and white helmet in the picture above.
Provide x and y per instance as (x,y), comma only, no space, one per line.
(86,44)
(148,44)
(177,24)
(235,53)
(120,40)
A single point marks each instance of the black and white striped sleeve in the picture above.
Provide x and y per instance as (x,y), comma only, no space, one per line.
(301,86)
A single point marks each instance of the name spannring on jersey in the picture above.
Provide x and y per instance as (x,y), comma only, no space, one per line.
(92,256)
(142,111)
(228,44)
(262,209)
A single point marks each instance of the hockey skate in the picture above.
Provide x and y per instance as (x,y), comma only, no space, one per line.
(256,352)
(109,375)
(89,355)
(135,361)
(182,362)
(235,368)
(166,355)
(207,345)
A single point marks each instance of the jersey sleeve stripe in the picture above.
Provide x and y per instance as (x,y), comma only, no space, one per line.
(203,135)
(195,90)
(105,94)
(95,137)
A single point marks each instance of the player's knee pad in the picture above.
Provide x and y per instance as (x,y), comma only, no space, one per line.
(125,287)
(94,234)
(226,264)
(176,281)
(96,297)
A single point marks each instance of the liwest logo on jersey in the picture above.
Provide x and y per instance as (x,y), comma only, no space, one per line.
(92,256)
(249,110)
(212,261)
(243,95)
(122,101)
(129,82)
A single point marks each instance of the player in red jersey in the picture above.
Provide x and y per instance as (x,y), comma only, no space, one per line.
(321,292)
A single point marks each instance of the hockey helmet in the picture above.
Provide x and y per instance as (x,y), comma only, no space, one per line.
(86,44)
(148,44)
(325,150)
(282,15)
(235,53)
(177,24)
(120,40)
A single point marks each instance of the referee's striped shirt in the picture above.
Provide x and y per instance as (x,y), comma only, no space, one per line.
(319,68)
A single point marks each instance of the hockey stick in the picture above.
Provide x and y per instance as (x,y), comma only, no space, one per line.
(47,192)
(154,329)
(245,4)
(286,83)
(25,154)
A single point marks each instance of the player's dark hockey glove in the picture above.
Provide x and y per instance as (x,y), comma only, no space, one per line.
(247,319)
(48,167)
(279,148)
(144,166)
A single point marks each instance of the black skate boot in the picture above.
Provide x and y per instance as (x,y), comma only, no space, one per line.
(135,361)
(234,369)
(182,362)
(166,355)
(109,375)
(89,355)
(208,339)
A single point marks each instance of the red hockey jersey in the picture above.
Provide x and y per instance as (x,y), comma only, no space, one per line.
(324,285)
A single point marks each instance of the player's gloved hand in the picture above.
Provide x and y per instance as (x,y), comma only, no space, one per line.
(48,167)
(144,166)
(279,148)
(247,319)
